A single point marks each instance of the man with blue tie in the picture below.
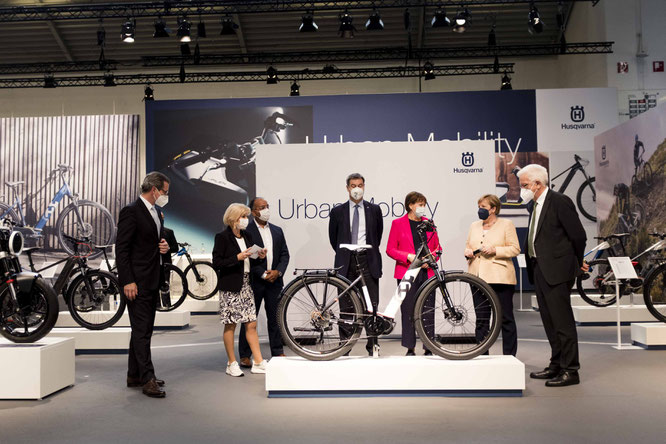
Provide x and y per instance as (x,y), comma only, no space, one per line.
(266,276)
(357,222)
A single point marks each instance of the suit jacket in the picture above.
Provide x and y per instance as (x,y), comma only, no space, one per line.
(280,252)
(497,269)
(137,251)
(401,244)
(225,260)
(170,237)
(339,232)
(559,241)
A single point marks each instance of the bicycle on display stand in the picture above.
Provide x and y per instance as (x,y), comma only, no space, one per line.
(80,219)
(200,275)
(321,313)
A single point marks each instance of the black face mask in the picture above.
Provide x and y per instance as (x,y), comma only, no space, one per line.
(483,214)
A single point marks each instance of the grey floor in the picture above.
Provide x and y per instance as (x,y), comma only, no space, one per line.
(622,398)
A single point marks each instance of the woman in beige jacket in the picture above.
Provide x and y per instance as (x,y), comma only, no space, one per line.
(491,243)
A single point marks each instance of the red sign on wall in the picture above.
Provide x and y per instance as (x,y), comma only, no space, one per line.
(622,67)
(658,66)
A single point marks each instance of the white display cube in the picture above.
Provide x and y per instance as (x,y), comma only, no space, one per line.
(608,315)
(197,307)
(112,340)
(176,319)
(649,335)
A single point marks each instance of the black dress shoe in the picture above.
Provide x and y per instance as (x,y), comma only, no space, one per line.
(546,373)
(136,382)
(410,352)
(153,390)
(427,353)
(564,378)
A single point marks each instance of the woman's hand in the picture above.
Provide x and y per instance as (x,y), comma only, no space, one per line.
(490,251)
(262,253)
(469,253)
(243,255)
(411,257)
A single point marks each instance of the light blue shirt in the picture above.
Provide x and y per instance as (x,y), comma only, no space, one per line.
(361,220)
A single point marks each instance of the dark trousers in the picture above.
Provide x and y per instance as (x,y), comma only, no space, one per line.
(270,294)
(558,321)
(509,333)
(407,312)
(142,320)
(373,291)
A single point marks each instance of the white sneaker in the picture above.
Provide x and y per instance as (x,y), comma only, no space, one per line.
(233,369)
(259,368)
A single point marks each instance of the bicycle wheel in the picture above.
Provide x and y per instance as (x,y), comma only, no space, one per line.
(205,286)
(586,198)
(174,291)
(463,329)
(9,212)
(596,286)
(97,225)
(37,313)
(310,331)
(637,215)
(647,174)
(95,300)
(654,292)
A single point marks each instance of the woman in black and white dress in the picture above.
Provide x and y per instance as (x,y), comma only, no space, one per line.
(231,260)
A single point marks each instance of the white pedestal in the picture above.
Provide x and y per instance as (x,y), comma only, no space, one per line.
(196,307)
(109,341)
(577,301)
(395,376)
(649,335)
(33,371)
(176,319)
(608,315)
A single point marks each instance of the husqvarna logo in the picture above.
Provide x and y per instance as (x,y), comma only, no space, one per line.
(577,113)
(603,152)
(468,159)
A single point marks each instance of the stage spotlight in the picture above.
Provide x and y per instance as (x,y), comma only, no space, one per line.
(463,20)
(534,23)
(428,71)
(346,29)
(109,80)
(148,94)
(506,82)
(329,69)
(228,26)
(161,29)
(374,22)
(492,38)
(181,74)
(184,30)
(307,23)
(295,89)
(201,30)
(440,20)
(185,49)
(49,81)
(127,31)
(271,76)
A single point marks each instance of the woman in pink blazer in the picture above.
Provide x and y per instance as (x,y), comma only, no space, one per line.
(403,242)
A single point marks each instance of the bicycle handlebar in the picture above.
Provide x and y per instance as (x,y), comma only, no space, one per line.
(659,235)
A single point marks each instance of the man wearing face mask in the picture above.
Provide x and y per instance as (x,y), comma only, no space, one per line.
(357,222)
(140,251)
(266,277)
(555,247)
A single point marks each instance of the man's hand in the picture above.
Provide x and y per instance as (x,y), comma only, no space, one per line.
(163,246)
(131,291)
(272,275)
(262,253)
(586,267)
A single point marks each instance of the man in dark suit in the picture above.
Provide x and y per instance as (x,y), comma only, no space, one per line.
(555,248)
(266,276)
(140,247)
(357,222)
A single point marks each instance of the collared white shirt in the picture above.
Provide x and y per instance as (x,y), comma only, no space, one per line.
(361,220)
(153,212)
(243,247)
(267,238)
(539,206)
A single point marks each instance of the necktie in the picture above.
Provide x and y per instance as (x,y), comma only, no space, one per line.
(530,235)
(354,230)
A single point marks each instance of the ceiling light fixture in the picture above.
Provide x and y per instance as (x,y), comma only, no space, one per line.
(440,20)
(534,23)
(374,22)
(506,82)
(295,89)
(307,23)
(271,76)
(463,20)
(428,71)
(228,26)
(127,30)
(148,94)
(184,30)
(161,29)
(346,29)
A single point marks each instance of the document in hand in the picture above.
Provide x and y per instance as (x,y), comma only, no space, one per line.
(254,251)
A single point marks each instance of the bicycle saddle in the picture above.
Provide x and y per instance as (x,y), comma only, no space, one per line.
(103,247)
(355,247)
(14,184)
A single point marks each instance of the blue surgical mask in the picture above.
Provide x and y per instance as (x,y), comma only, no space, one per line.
(483,213)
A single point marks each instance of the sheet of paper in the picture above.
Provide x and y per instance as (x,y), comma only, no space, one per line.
(254,251)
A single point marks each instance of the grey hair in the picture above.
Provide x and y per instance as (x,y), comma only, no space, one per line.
(535,172)
(353,176)
(154,179)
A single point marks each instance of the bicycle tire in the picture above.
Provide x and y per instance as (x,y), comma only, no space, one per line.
(654,292)
(464,337)
(647,174)
(207,287)
(177,288)
(594,279)
(582,199)
(637,215)
(99,226)
(299,331)
(4,208)
(44,302)
(89,310)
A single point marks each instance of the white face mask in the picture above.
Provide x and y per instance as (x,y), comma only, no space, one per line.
(265,214)
(242,223)
(356,193)
(162,200)
(526,194)
(420,211)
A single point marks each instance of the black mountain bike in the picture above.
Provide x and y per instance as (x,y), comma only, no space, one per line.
(200,275)
(321,313)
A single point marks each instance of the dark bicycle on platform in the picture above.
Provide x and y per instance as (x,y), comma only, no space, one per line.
(321,313)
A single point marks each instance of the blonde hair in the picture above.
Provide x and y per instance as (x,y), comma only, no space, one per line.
(493,201)
(234,212)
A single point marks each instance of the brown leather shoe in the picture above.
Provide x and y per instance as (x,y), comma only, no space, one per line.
(153,390)
(136,382)
(245,363)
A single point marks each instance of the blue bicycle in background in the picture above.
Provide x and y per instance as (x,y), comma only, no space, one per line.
(80,219)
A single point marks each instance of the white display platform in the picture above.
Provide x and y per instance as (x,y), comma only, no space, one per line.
(33,371)
(355,376)
(176,319)
(649,335)
(608,315)
(577,301)
(109,341)
(196,307)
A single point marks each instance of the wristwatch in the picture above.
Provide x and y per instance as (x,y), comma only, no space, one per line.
(280,273)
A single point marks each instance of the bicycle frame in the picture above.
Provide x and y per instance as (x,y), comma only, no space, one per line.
(578,166)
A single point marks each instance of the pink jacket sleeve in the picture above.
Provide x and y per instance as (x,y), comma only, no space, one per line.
(393,244)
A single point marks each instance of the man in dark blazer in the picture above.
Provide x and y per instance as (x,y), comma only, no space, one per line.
(357,222)
(555,247)
(266,276)
(140,251)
